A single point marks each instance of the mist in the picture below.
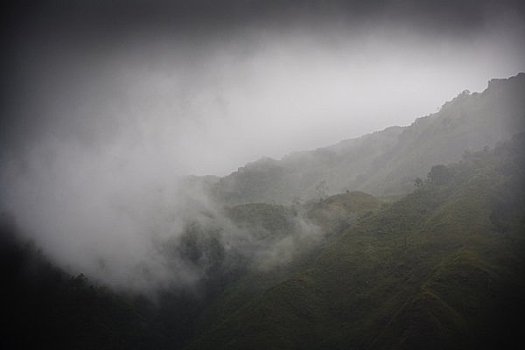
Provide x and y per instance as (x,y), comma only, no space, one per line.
(102,123)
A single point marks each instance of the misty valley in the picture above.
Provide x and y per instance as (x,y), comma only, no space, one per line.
(252,174)
(407,238)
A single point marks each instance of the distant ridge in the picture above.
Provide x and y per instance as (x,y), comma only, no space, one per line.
(384,162)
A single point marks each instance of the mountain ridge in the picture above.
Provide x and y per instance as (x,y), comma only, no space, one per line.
(384,162)
(441,267)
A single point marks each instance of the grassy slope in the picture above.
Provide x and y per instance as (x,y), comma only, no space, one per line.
(331,215)
(441,268)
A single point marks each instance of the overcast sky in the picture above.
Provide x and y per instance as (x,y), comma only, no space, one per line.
(207,86)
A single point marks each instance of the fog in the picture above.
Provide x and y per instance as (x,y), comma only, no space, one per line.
(102,123)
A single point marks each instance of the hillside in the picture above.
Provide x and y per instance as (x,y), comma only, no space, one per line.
(47,305)
(42,305)
(407,238)
(441,268)
(384,162)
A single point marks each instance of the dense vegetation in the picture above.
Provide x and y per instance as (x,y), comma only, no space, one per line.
(441,268)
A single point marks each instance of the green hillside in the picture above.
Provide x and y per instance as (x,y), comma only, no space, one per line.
(441,268)
(330,216)
(408,238)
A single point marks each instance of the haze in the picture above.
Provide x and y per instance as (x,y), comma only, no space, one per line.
(96,122)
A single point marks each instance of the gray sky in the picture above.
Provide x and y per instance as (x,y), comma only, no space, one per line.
(208,87)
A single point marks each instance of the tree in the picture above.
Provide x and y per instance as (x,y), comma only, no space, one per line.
(439,175)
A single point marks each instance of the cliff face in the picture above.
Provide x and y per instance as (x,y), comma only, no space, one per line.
(388,161)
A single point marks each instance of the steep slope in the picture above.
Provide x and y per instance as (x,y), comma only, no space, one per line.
(332,216)
(441,268)
(385,162)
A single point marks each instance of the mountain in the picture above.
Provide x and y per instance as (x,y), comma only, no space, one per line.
(441,268)
(284,263)
(385,162)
